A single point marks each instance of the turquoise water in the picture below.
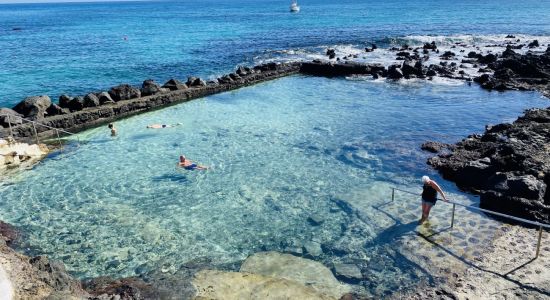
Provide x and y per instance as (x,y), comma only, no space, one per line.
(280,153)
(82,47)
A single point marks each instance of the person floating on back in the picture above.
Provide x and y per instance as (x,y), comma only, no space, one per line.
(113,129)
(429,197)
(189,165)
(159,126)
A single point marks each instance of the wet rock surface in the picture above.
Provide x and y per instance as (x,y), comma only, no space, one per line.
(513,71)
(509,166)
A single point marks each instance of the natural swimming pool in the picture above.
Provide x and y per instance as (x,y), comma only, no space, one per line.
(284,156)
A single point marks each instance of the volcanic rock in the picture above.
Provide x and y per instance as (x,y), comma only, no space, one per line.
(33,107)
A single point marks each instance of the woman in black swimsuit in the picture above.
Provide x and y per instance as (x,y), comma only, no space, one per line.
(429,197)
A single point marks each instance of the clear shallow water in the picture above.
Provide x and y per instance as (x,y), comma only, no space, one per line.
(280,152)
(81,47)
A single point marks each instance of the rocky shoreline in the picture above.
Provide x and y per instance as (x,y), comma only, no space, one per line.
(505,71)
(508,166)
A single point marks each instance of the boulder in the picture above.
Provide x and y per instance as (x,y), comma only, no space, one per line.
(472,54)
(524,186)
(64,101)
(331,53)
(91,100)
(76,104)
(149,87)
(225,79)
(13,116)
(124,92)
(394,72)
(447,55)
(33,107)
(243,71)
(412,67)
(434,147)
(487,59)
(533,44)
(430,46)
(105,98)
(174,84)
(55,110)
(195,81)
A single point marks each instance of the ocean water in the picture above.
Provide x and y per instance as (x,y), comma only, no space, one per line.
(281,153)
(82,47)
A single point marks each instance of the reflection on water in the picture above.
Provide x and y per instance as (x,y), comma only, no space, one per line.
(300,165)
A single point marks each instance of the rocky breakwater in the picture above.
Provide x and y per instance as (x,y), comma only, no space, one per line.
(514,71)
(97,108)
(509,165)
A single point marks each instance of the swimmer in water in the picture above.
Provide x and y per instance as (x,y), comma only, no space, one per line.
(159,126)
(113,129)
(189,165)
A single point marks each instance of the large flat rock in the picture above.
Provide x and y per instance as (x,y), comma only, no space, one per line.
(304,271)
(237,285)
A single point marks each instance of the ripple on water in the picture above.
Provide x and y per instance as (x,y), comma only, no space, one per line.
(285,174)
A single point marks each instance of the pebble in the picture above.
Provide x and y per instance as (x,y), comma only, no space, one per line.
(348,272)
(313,249)
(315,220)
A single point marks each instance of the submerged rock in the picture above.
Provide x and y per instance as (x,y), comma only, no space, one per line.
(237,285)
(304,271)
(348,272)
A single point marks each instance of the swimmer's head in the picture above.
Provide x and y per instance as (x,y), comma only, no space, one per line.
(182,158)
(110,126)
(425,179)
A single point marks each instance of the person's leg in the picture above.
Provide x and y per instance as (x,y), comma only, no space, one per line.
(428,208)
(423,213)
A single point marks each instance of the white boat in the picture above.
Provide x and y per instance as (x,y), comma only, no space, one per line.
(294,6)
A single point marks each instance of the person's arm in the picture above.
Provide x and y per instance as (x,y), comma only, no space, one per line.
(437,188)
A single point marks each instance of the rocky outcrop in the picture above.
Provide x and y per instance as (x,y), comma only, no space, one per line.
(519,72)
(34,107)
(23,277)
(509,166)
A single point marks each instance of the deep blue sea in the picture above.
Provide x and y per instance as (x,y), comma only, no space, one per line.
(81,47)
(281,152)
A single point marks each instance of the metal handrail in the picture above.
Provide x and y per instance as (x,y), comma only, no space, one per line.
(41,124)
(535,223)
(57,130)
